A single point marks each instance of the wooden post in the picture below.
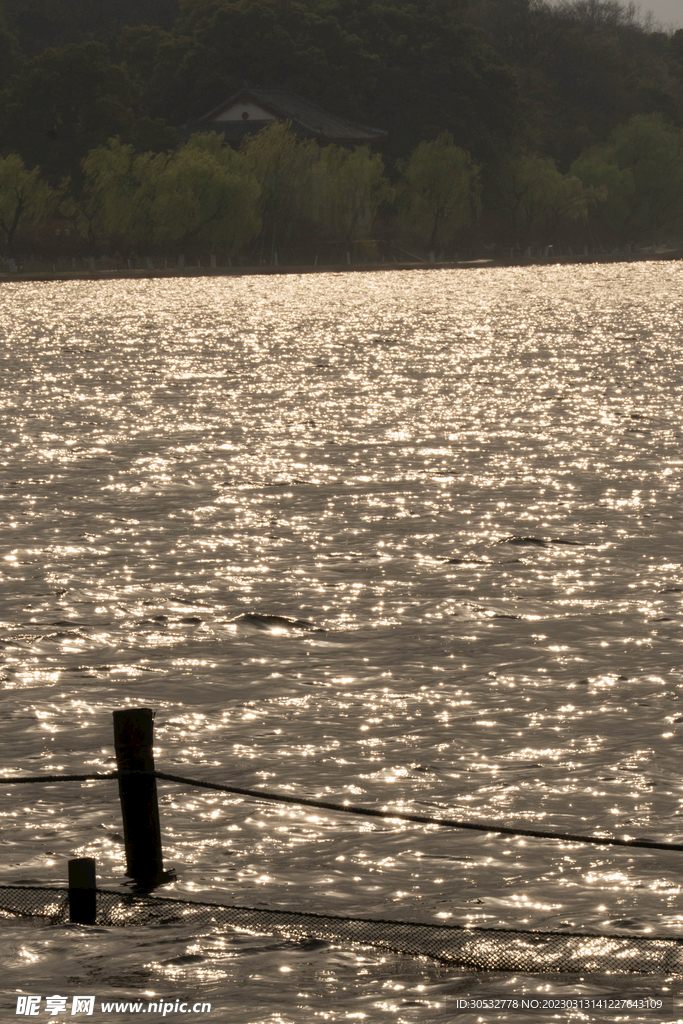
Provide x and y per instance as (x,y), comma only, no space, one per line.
(82,891)
(133,735)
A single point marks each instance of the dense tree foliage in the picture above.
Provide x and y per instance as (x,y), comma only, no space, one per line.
(351,188)
(40,24)
(24,196)
(441,187)
(584,67)
(285,170)
(542,106)
(67,101)
(539,201)
(638,178)
(202,193)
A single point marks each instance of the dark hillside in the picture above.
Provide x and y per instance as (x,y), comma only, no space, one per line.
(38,24)
(583,68)
(415,69)
(562,114)
(497,74)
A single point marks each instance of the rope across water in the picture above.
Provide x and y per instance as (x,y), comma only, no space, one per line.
(368,812)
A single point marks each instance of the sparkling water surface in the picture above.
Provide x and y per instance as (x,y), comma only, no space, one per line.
(469,481)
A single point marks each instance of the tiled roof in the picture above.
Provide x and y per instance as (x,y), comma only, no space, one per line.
(309,121)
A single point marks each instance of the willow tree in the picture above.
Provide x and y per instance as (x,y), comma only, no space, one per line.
(285,169)
(103,204)
(640,172)
(539,200)
(24,196)
(441,188)
(201,193)
(351,187)
(614,191)
(204,192)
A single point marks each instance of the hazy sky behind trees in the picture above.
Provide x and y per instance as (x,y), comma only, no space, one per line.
(668,12)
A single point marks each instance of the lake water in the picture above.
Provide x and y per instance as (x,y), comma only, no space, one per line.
(471,481)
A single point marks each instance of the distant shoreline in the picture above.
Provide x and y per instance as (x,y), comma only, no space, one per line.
(337,268)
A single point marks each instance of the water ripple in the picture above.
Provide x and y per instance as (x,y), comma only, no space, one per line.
(411,539)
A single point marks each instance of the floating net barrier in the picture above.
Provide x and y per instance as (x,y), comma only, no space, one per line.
(468,946)
(474,948)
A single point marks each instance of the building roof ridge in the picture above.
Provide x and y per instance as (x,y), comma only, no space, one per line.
(287,105)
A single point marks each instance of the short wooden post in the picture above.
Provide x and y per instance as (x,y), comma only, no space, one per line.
(133,737)
(82,891)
